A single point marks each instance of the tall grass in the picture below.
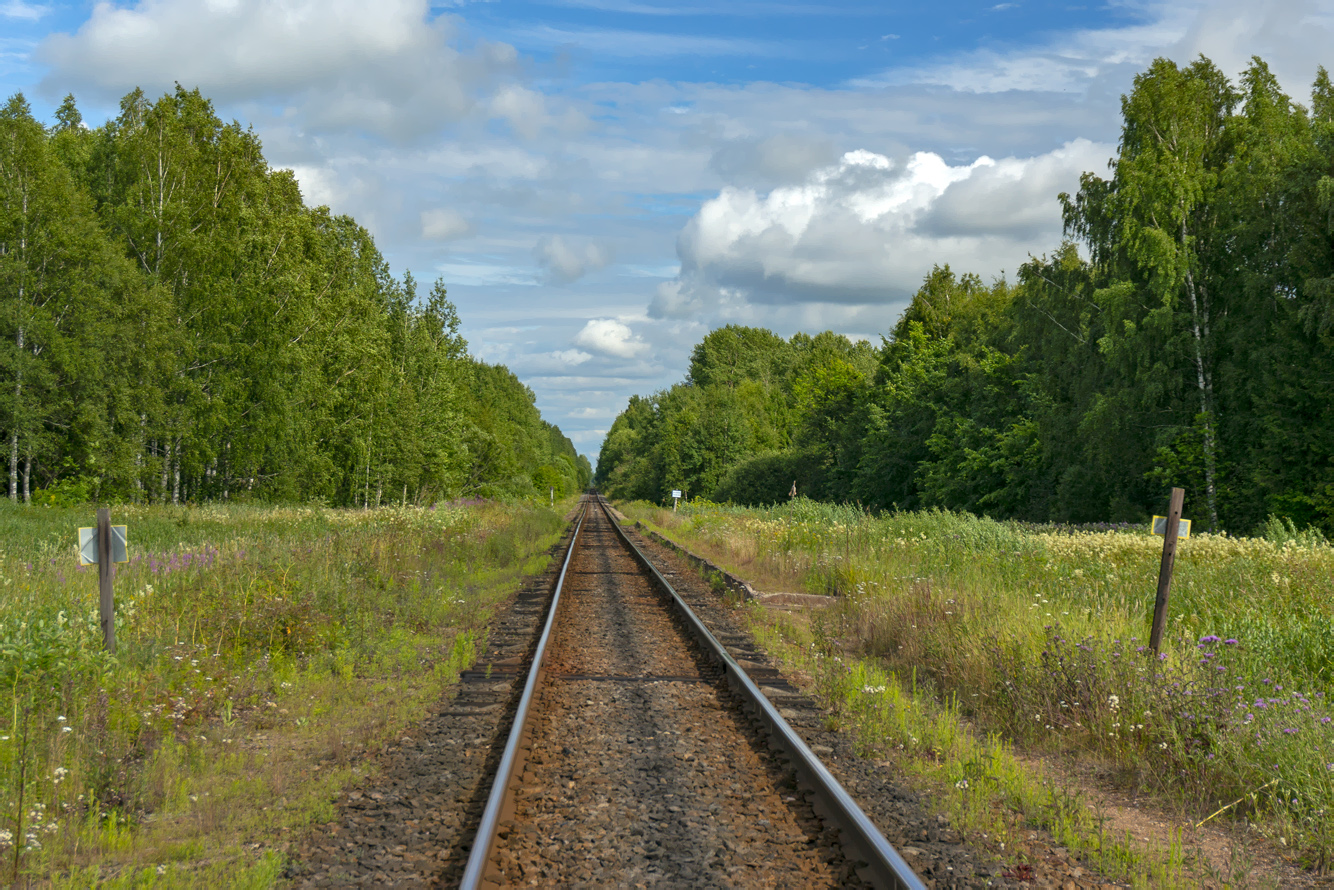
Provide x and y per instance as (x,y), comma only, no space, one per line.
(1040,634)
(223,614)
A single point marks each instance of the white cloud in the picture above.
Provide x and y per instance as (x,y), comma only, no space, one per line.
(569,357)
(387,67)
(443,224)
(610,337)
(564,262)
(317,185)
(590,413)
(1013,197)
(867,229)
(18,9)
(521,107)
(1293,36)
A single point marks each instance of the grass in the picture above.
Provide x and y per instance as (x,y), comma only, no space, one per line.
(264,655)
(1036,637)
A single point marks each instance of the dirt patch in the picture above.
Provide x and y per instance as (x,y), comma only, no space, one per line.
(1222,852)
(792,602)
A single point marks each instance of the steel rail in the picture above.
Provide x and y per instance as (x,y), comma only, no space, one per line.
(861,839)
(475,871)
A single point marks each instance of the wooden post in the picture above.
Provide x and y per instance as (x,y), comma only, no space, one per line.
(106,571)
(1165,569)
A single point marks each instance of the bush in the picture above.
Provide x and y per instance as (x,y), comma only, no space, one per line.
(767,479)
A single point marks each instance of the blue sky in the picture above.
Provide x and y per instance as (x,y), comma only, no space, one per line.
(600,182)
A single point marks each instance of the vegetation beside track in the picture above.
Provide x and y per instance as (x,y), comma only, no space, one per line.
(1035,637)
(263,654)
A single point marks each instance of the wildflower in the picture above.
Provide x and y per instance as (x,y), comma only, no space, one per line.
(962,784)
(1229,642)
(1209,639)
(1113,702)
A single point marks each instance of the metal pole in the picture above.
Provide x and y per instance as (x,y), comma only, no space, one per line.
(1165,570)
(106,572)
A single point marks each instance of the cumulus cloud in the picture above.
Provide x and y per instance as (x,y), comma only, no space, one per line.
(1013,197)
(611,338)
(867,229)
(386,67)
(564,262)
(444,225)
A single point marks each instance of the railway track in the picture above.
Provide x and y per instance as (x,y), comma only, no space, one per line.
(642,752)
(641,764)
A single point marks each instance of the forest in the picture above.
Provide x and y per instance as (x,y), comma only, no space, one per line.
(177,325)
(1181,335)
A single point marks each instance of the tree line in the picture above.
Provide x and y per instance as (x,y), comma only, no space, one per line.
(1181,335)
(176,324)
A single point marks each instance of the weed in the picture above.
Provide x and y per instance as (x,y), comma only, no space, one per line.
(1038,634)
(249,638)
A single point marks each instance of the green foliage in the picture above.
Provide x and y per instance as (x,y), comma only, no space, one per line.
(513,451)
(1039,634)
(770,478)
(1191,345)
(177,325)
(749,393)
(1281,530)
(227,617)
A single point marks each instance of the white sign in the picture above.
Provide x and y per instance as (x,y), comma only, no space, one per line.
(88,556)
(1160,527)
(676,493)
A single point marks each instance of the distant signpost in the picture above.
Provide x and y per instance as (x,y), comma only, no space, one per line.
(676,498)
(105,538)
